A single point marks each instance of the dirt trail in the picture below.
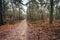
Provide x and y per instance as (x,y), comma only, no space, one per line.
(15,33)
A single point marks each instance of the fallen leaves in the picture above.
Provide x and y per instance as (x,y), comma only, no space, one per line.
(45,31)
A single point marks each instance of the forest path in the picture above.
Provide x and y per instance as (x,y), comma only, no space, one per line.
(16,32)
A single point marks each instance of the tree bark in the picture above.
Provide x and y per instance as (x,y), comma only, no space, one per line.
(51,12)
(19,14)
(1,16)
(13,12)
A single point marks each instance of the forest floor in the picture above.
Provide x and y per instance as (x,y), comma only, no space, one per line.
(45,31)
(14,32)
(27,31)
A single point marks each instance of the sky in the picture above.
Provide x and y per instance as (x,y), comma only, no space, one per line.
(24,2)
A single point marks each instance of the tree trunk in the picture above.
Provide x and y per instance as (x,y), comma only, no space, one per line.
(13,12)
(1,18)
(4,8)
(51,12)
(19,14)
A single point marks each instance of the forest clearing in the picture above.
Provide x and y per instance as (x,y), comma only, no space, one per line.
(30,20)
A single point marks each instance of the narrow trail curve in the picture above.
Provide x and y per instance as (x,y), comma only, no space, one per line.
(16,33)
